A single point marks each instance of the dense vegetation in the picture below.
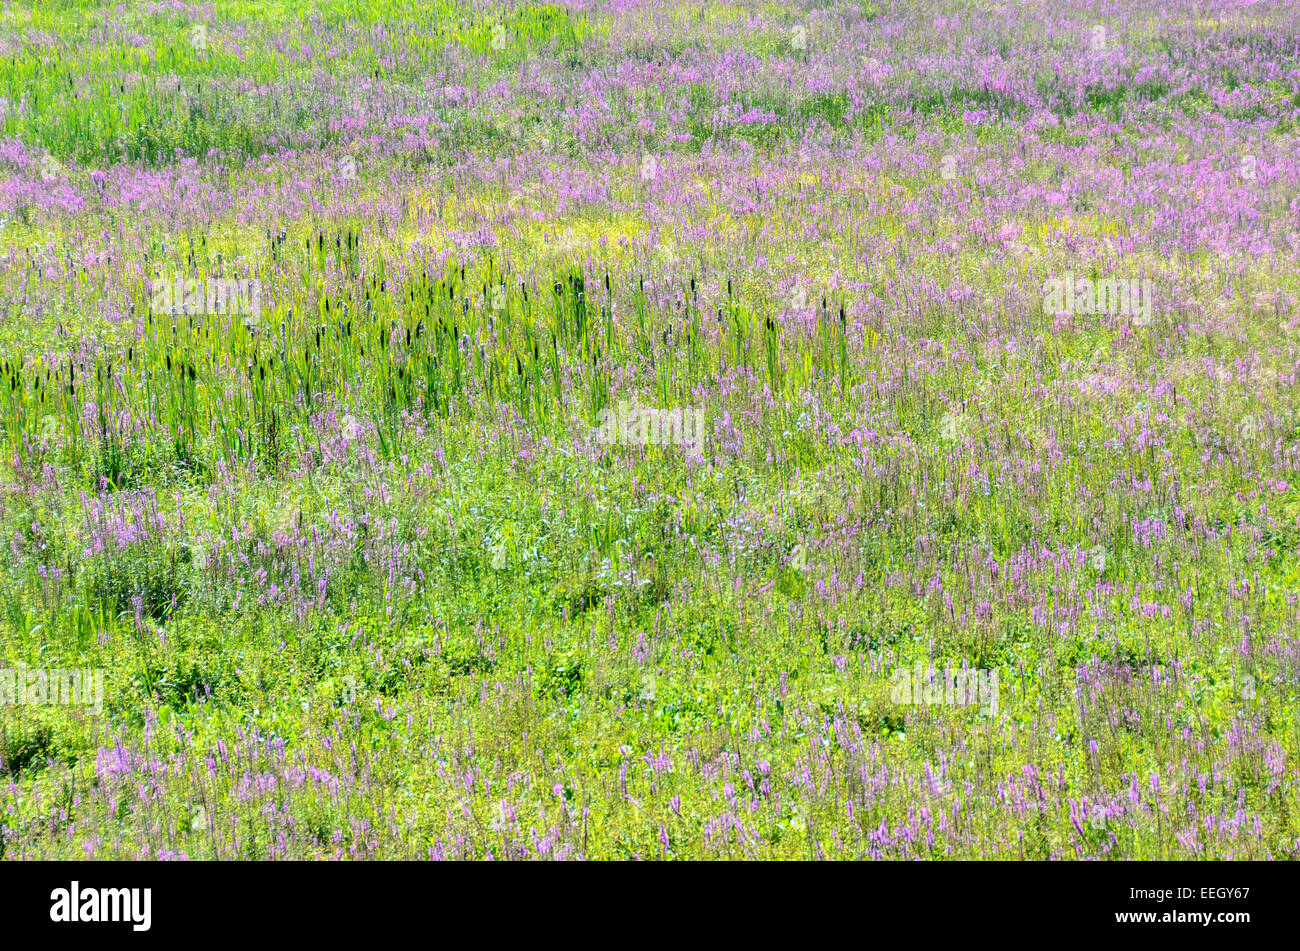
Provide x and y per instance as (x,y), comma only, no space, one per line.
(361,578)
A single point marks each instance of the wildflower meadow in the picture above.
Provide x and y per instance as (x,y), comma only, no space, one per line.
(649,429)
